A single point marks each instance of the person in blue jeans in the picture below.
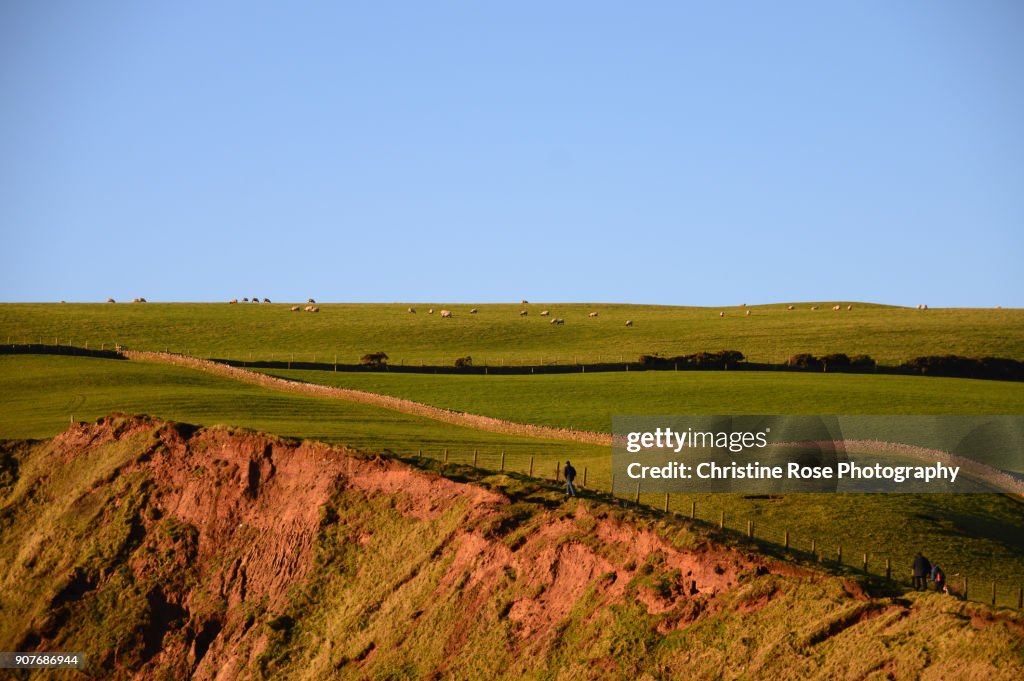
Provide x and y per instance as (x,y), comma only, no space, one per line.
(570,476)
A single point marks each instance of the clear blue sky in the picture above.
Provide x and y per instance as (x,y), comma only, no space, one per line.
(677,153)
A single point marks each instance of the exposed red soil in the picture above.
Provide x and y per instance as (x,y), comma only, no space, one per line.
(255,502)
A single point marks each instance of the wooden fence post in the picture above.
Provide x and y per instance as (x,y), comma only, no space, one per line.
(888,569)
(839,556)
(693,510)
(531,465)
(446,456)
(638,492)
(666,502)
(503,461)
(750,528)
(556,471)
(1020,598)
(721,521)
(864,565)
(419,453)
(787,539)
(965,587)
(612,491)
(814,549)
(993,592)
(584,477)
(474,458)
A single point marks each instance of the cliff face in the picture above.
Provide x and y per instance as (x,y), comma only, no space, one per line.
(166,552)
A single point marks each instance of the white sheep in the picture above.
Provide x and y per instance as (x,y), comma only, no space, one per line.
(592,314)
(544,313)
(837,307)
(629,322)
(412,310)
(747,313)
(790,307)
(721,314)
(446,314)
(233,301)
(523,313)
(473,311)
(296,308)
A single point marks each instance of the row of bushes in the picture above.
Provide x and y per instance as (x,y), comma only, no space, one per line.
(724,359)
(835,361)
(936,365)
(967,367)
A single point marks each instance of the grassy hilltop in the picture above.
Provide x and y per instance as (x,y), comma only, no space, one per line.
(498,334)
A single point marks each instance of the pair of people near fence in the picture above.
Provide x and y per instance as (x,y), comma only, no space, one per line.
(923,570)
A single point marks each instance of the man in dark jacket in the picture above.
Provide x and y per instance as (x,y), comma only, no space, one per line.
(922,568)
(570,476)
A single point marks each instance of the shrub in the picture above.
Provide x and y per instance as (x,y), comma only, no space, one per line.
(862,362)
(466,361)
(374,359)
(836,360)
(804,361)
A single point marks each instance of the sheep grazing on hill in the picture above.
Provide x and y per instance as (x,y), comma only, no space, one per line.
(314,308)
(430,311)
(111,300)
(849,307)
(256,300)
(310,301)
(296,308)
(747,313)
(592,314)
(743,304)
(721,314)
(557,321)
(245,300)
(412,310)
(308,308)
(524,302)
(790,307)
(138,300)
(233,301)
(629,322)
(523,313)
(814,307)
(473,311)
(837,307)
(446,314)
(544,313)
(266,300)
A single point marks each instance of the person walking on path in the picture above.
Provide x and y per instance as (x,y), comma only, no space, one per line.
(570,476)
(922,568)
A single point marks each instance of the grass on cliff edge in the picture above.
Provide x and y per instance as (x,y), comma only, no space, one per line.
(389,597)
(498,334)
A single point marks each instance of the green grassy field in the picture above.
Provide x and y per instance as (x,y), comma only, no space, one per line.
(978,534)
(588,401)
(40,394)
(497,334)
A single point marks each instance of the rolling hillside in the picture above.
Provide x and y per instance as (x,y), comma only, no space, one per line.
(165,551)
(497,334)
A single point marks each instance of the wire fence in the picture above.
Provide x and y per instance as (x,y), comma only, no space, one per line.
(893,566)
